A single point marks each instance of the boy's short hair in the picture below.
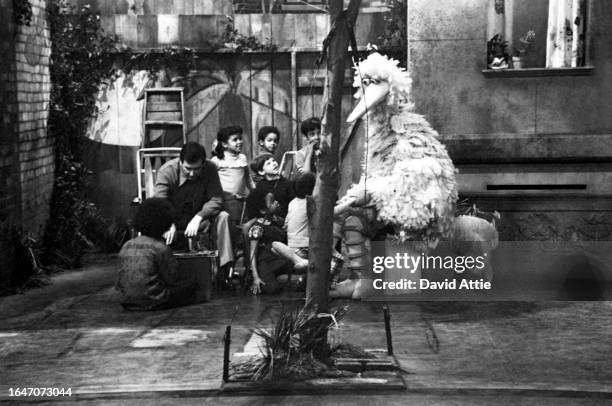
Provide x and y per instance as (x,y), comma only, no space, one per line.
(258,163)
(310,124)
(154,217)
(263,131)
(304,185)
(255,202)
(192,152)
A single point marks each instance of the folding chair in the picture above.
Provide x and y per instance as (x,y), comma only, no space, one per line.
(148,162)
(287,164)
(238,245)
(246,256)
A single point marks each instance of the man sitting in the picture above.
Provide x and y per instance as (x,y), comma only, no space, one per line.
(191,184)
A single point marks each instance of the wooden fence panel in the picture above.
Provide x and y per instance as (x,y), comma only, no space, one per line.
(281,95)
(261,93)
(283,29)
(147,30)
(306,31)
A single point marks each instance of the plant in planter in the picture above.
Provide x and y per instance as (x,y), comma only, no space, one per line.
(289,347)
(524,50)
(497,55)
(293,356)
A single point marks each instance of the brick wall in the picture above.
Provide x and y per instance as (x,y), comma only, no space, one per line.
(36,154)
(26,153)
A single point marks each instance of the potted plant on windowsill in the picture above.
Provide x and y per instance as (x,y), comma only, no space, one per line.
(524,50)
(497,56)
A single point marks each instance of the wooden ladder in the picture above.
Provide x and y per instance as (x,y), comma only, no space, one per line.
(164,116)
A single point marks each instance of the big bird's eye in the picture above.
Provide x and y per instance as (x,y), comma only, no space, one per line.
(370,81)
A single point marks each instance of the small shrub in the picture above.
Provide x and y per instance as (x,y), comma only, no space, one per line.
(291,346)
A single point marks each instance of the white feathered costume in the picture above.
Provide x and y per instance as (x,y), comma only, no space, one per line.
(407,172)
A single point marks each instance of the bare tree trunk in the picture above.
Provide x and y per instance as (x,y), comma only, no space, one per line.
(325,195)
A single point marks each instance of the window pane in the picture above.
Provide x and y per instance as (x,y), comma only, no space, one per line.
(530,15)
(539,33)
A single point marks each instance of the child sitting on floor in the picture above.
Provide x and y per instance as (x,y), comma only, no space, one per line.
(148,273)
(272,182)
(264,231)
(298,233)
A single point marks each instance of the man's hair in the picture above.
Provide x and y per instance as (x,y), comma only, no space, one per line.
(154,217)
(310,124)
(192,152)
(304,185)
(256,201)
(263,131)
(258,163)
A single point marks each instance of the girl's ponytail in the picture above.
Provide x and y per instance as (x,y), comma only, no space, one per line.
(217,148)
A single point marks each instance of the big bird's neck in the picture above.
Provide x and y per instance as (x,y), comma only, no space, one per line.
(379,140)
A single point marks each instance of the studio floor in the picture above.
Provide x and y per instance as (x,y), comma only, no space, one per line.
(73,333)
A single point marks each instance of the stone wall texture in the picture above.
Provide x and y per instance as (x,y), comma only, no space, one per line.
(26,153)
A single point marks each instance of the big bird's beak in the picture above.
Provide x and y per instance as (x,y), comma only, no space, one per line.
(373,94)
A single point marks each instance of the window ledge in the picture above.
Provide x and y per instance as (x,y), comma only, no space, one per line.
(538,72)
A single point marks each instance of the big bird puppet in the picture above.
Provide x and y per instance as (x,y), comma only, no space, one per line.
(408,180)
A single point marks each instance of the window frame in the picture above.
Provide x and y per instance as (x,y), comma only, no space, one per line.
(585,70)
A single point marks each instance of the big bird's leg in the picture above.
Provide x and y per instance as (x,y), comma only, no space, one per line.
(358,250)
(353,231)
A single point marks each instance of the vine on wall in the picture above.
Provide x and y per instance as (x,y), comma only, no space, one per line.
(177,59)
(232,40)
(394,41)
(22,12)
(82,58)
